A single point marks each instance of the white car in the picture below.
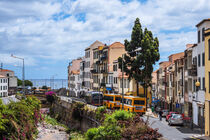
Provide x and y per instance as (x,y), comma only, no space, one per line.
(176,119)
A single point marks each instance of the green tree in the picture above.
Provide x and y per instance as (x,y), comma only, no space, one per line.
(142,53)
(27,83)
(44,87)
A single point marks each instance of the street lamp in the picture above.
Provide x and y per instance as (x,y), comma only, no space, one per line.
(23,73)
(197,84)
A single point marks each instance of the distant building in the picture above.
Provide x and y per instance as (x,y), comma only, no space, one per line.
(74,83)
(12,80)
(91,56)
(3,86)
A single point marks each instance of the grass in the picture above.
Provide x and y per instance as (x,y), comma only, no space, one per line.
(53,122)
(75,135)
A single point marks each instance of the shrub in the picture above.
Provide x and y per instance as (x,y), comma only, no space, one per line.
(91,133)
(50,96)
(100,112)
(18,120)
(77,109)
(136,128)
(122,115)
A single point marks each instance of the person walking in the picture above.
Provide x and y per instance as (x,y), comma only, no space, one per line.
(160,114)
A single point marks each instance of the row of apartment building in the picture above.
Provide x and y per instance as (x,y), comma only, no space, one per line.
(99,70)
(182,83)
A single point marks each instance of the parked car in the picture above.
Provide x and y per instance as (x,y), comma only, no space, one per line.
(169,115)
(176,119)
(165,112)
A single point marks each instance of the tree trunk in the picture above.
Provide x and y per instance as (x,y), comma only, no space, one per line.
(137,88)
(146,98)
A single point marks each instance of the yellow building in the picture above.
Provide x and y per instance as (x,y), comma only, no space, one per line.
(207,82)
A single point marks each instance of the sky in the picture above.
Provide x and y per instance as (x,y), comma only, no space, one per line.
(50,33)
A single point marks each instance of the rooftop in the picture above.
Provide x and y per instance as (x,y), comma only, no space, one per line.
(96,42)
(204,20)
(117,45)
(5,70)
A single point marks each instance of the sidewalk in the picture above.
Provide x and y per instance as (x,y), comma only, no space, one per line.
(150,113)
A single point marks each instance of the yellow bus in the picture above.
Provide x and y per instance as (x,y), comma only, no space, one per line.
(112,101)
(134,104)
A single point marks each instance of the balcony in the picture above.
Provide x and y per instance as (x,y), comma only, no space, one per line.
(193,70)
(103,84)
(93,71)
(104,71)
(103,58)
(83,83)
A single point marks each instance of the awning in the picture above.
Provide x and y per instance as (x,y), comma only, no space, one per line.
(108,88)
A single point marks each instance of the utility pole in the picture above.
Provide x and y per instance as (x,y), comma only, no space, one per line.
(165,88)
(122,83)
(23,73)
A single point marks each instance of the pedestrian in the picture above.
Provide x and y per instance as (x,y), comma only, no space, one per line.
(160,114)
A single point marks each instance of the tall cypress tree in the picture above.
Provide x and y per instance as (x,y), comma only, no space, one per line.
(142,53)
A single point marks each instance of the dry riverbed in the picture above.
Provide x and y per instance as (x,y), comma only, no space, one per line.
(50,132)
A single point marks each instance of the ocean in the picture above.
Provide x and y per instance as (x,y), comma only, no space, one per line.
(53,83)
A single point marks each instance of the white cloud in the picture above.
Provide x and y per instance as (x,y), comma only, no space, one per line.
(28,29)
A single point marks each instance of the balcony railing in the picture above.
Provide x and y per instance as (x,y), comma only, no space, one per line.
(103,58)
(193,70)
(103,84)
(104,71)
(93,71)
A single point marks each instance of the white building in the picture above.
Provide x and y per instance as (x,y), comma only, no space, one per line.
(3,86)
(12,80)
(89,65)
(199,58)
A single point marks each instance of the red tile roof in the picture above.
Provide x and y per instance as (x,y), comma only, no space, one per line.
(5,70)
(116,45)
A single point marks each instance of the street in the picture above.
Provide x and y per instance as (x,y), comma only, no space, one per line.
(173,132)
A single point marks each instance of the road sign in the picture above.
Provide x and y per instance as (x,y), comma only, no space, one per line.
(177,105)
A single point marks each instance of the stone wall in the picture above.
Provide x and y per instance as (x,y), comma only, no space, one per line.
(68,114)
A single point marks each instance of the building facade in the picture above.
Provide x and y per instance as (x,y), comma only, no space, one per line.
(199,57)
(12,80)
(89,65)
(3,86)
(207,82)
(74,84)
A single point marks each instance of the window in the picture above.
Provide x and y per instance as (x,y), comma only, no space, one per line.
(190,84)
(199,60)
(95,55)
(139,102)
(87,54)
(198,36)
(209,48)
(204,83)
(115,67)
(124,83)
(203,34)
(203,59)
